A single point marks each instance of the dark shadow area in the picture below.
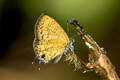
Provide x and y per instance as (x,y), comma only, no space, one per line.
(10,23)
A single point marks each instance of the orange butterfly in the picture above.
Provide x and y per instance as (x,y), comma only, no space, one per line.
(50,41)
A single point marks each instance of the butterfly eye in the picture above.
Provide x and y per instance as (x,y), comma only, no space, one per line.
(43,55)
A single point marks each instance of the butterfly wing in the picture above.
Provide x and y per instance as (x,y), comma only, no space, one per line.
(50,38)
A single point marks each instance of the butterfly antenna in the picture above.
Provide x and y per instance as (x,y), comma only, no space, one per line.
(68,30)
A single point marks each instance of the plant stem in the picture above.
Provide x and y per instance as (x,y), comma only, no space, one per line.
(98,61)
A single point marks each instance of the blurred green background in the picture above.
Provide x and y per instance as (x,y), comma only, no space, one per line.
(101,18)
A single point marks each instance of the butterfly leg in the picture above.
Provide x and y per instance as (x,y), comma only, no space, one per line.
(71,44)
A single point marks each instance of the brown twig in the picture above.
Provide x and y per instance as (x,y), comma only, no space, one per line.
(98,60)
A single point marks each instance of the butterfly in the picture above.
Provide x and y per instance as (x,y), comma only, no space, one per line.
(50,41)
